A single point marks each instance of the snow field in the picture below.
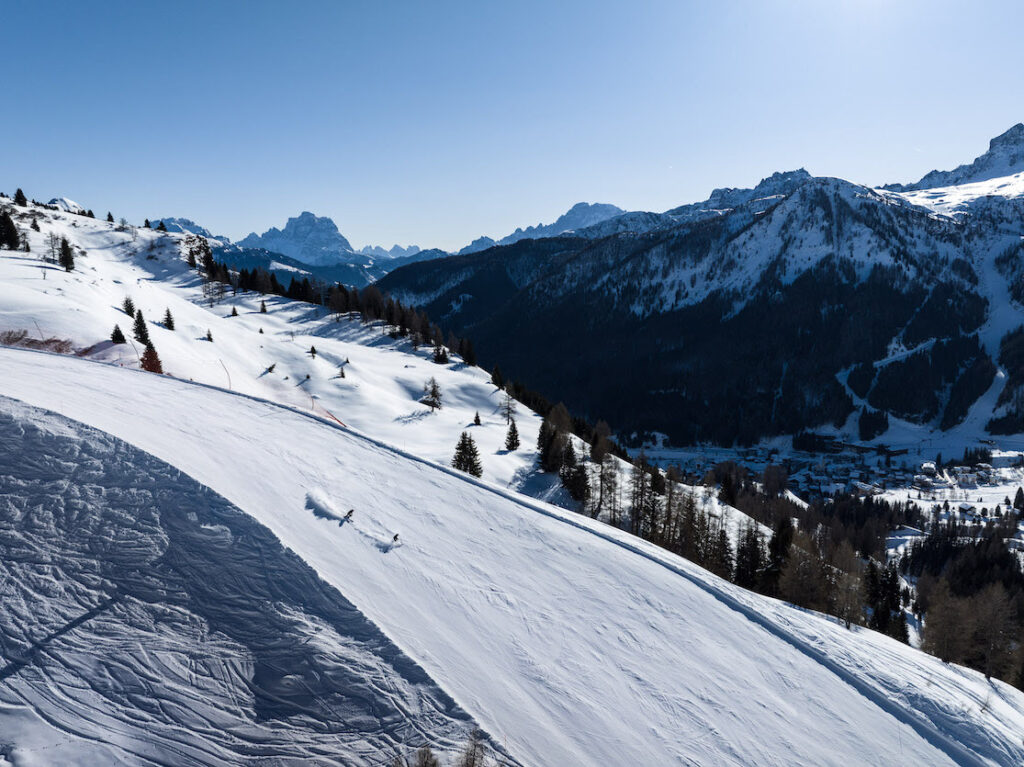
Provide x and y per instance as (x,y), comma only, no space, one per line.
(569,641)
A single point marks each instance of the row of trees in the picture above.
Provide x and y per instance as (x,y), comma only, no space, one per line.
(149,360)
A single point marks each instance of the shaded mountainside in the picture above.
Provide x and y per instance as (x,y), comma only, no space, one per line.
(745,320)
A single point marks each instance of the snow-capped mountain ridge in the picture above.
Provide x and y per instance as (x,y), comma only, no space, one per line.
(580,216)
(1005,157)
(308,238)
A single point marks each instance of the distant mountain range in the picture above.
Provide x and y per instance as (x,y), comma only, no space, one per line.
(579,216)
(802,303)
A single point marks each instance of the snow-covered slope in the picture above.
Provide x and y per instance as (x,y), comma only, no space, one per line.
(186,226)
(570,642)
(383,378)
(148,621)
(1005,157)
(957,199)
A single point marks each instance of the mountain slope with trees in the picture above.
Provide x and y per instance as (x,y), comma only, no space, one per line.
(749,321)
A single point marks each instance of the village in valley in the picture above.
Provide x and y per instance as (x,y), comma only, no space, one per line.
(975,488)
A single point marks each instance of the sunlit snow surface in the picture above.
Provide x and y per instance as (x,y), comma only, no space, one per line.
(147,620)
(570,642)
(950,200)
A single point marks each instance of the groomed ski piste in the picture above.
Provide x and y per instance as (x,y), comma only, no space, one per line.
(568,641)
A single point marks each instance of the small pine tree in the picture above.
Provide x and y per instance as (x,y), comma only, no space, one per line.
(512,437)
(312,351)
(168,320)
(20,199)
(35,224)
(432,394)
(209,336)
(110,217)
(147,225)
(67,256)
(263,307)
(150,360)
(234,311)
(161,227)
(496,378)
(467,458)
(476,418)
(440,355)
(117,336)
(128,306)
(508,407)
(425,758)
(9,237)
(139,330)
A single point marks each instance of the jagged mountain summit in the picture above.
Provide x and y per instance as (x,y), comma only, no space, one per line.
(395,251)
(1005,157)
(313,240)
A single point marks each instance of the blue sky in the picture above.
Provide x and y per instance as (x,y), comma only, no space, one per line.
(435,122)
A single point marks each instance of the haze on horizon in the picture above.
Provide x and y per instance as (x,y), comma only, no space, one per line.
(434,124)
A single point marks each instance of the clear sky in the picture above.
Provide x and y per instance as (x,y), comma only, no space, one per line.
(434,122)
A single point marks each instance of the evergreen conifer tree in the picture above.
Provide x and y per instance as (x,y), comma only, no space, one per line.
(150,360)
(432,394)
(209,336)
(67,256)
(128,306)
(263,307)
(117,336)
(234,311)
(440,355)
(467,458)
(496,378)
(139,330)
(508,407)
(512,437)
(19,198)
(147,225)
(8,232)
(476,418)
(161,227)
(168,320)
(110,217)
